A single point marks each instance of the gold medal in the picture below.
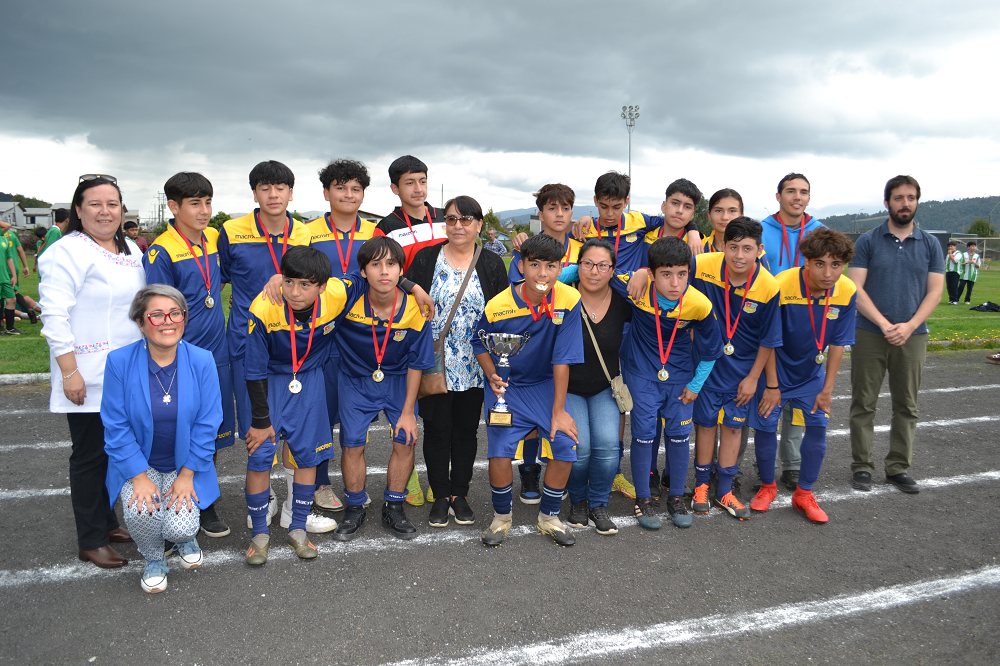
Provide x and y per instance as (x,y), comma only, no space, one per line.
(663,375)
(378,375)
(209,302)
(820,357)
(295,385)
(728,349)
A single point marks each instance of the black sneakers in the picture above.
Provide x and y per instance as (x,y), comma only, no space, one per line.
(462,512)
(654,484)
(790,477)
(598,516)
(861,481)
(211,524)
(903,481)
(578,514)
(350,524)
(395,519)
(439,514)
(530,493)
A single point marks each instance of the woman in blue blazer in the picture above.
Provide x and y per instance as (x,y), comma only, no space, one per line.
(161,410)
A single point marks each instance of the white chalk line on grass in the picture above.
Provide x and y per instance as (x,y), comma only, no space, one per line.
(431,537)
(597,644)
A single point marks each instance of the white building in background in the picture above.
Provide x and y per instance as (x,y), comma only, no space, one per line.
(12,213)
(35,217)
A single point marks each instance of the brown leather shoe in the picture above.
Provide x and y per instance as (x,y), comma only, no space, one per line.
(120,535)
(105,557)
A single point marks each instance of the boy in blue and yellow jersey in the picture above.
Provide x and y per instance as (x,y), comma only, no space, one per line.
(723,207)
(745,298)
(547,314)
(186,257)
(658,365)
(287,347)
(385,345)
(817,321)
(678,207)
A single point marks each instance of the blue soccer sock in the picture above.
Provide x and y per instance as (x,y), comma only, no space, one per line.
(640,453)
(551,500)
(765,445)
(813,451)
(323,474)
(678,457)
(621,454)
(257,508)
(530,451)
(726,475)
(355,499)
(503,499)
(390,496)
(655,451)
(302,501)
(702,474)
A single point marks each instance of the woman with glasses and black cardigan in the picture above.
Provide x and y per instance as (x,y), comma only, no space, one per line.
(88,280)
(451,420)
(162,409)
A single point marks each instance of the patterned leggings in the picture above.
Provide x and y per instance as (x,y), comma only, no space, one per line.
(149,531)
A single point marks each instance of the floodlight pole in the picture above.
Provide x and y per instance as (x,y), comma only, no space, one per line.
(629,114)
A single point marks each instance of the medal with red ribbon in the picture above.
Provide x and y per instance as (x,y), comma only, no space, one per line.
(209,301)
(295,385)
(618,236)
(265,234)
(378,375)
(663,375)
(821,356)
(543,307)
(427,218)
(786,243)
(345,261)
(730,332)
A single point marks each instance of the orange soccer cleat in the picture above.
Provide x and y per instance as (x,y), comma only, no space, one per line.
(805,501)
(762,500)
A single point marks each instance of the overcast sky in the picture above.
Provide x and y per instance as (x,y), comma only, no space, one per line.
(500,98)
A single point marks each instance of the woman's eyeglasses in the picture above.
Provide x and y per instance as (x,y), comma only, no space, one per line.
(176,316)
(452,220)
(588,265)
(94,176)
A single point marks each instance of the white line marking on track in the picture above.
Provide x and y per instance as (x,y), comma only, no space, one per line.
(599,644)
(40,445)
(367,542)
(34,492)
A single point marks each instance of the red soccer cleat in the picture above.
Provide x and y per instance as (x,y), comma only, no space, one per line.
(762,500)
(805,501)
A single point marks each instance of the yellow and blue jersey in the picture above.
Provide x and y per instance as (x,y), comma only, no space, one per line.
(759,318)
(654,235)
(555,339)
(326,238)
(640,350)
(269,336)
(410,343)
(709,246)
(569,260)
(169,261)
(799,375)
(246,263)
(628,242)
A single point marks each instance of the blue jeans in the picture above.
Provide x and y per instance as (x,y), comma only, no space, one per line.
(596,463)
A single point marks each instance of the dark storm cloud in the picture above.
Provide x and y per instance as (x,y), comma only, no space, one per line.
(317,79)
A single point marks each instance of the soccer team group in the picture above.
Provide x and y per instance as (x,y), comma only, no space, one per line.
(726,331)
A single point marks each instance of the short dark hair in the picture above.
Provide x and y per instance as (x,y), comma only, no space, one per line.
(466,205)
(899,181)
(341,172)
(825,241)
(792,176)
(131,225)
(725,193)
(40,231)
(970,244)
(542,248)
(187,185)
(613,185)
(554,193)
(668,251)
(62,214)
(952,243)
(744,227)
(601,244)
(379,247)
(75,224)
(404,165)
(301,262)
(271,173)
(685,187)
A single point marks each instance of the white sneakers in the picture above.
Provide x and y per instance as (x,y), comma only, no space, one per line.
(316,523)
(272,510)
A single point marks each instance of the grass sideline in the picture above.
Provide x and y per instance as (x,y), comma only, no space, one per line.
(954,324)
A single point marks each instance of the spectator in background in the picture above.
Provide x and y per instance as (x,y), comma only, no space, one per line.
(493,245)
(897,269)
(132,231)
(969,271)
(8,280)
(952,271)
(54,233)
(28,306)
(88,281)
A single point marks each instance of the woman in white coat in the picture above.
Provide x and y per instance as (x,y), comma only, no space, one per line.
(89,279)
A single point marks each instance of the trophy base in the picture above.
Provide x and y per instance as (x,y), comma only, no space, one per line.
(500,419)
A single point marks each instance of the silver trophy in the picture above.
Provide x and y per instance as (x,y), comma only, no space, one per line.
(503,346)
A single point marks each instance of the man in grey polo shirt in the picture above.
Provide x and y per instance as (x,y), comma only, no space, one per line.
(899,272)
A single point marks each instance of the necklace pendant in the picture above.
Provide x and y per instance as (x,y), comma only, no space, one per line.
(295,385)
(728,350)
(820,357)
(166,399)
(593,317)
(378,375)
(209,302)
(663,375)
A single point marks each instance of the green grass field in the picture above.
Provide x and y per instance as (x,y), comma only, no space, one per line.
(956,323)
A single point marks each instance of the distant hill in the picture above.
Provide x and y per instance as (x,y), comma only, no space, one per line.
(955,215)
(6,197)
